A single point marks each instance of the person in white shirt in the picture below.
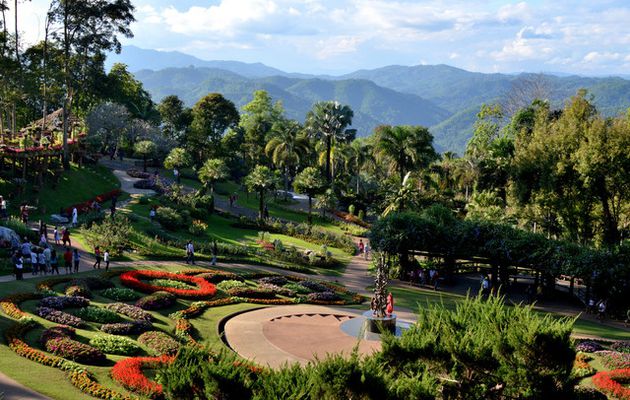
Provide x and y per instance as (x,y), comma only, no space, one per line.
(47,259)
(106,259)
(34,262)
(75,216)
(176,175)
(3,207)
(42,263)
(190,253)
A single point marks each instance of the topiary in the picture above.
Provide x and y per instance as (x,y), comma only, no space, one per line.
(119,294)
(100,315)
(112,344)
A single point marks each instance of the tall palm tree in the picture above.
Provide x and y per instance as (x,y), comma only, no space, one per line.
(356,156)
(287,148)
(327,121)
(405,148)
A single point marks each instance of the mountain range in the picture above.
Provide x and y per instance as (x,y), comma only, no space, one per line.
(442,97)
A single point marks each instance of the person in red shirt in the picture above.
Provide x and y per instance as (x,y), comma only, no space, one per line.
(97,255)
(65,237)
(67,260)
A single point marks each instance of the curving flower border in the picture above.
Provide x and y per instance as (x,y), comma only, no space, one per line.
(204,289)
(610,382)
(128,372)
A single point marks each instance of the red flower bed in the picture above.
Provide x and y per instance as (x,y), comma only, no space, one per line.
(128,373)
(11,304)
(611,382)
(204,288)
(86,206)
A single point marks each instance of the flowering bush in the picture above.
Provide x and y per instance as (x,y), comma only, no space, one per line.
(159,343)
(86,206)
(249,292)
(112,344)
(588,346)
(622,347)
(231,284)
(127,328)
(61,302)
(57,332)
(275,302)
(119,294)
(314,286)
(156,301)
(611,382)
(132,280)
(274,280)
(133,312)
(85,383)
(170,283)
(59,317)
(100,315)
(614,359)
(197,227)
(282,291)
(128,373)
(75,351)
(78,291)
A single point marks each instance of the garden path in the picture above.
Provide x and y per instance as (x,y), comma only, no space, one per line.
(12,390)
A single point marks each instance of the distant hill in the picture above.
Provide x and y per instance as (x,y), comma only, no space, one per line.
(442,97)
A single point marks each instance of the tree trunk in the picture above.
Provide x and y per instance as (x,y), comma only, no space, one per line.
(611,231)
(144,163)
(328,152)
(67,97)
(310,206)
(286,184)
(261,205)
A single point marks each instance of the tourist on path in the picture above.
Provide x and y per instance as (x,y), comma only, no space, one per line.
(361,246)
(67,260)
(190,253)
(176,175)
(43,241)
(152,214)
(54,263)
(106,259)
(215,251)
(56,236)
(3,208)
(48,258)
(18,263)
(24,213)
(76,258)
(97,255)
(65,237)
(75,217)
(366,251)
(42,263)
(26,248)
(34,263)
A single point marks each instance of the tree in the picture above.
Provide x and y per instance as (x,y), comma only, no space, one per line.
(177,158)
(261,180)
(213,170)
(259,118)
(87,29)
(405,148)
(287,148)
(327,121)
(145,149)
(356,156)
(211,116)
(311,183)
(175,117)
(326,201)
(108,125)
(125,89)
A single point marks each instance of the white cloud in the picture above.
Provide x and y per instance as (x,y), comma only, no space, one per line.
(597,57)
(336,46)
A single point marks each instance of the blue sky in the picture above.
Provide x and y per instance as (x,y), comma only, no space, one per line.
(337,36)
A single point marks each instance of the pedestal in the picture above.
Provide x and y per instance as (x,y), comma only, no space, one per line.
(379,325)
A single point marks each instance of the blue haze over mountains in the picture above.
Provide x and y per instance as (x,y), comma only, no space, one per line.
(442,97)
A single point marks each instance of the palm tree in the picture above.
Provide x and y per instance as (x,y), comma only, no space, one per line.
(211,171)
(287,148)
(404,198)
(261,180)
(404,148)
(327,121)
(355,157)
(310,182)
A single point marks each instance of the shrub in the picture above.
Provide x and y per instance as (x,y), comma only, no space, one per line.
(314,286)
(169,218)
(156,301)
(231,284)
(159,343)
(119,294)
(361,215)
(143,200)
(113,234)
(100,315)
(112,344)
(197,227)
(61,302)
(274,280)
(351,209)
(75,351)
(133,312)
(127,328)
(22,229)
(78,291)
(59,317)
(170,283)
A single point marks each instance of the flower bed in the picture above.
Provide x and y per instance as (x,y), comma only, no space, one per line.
(614,359)
(100,315)
(93,283)
(588,346)
(581,367)
(127,328)
(85,383)
(78,291)
(231,284)
(276,302)
(612,383)
(56,332)
(86,206)
(75,351)
(113,344)
(119,294)
(59,317)
(156,301)
(11,304)
(282,291)
(61,302)
(48,284)
(322,297)
(170,283)
(252,293)
(277,280)
(128,373)
(314,286)
(133,312)
(159,343)
(198,307)
(184,330)
(622,347)
(132,280)
(219,276)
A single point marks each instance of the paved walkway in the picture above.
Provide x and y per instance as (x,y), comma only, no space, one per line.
(12,390)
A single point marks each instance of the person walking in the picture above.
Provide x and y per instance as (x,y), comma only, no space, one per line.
(3,208)
(76,258)
(190,253)
(48,258)
(215,252)
(56,236)
(366,251)
(18,264)
(152,214)
(34,263)
(361,246)
(41,258)
(106,259)
(24,213)
(43,242)
(67,260)
(97,255)
(176,175)
(601,310)
(65,237)
(54,263)
(75,217)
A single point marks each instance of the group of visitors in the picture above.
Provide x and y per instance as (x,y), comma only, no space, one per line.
(425,276)
(597,307)
(233,199)
(42,259)
(190,252)
(364,249)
